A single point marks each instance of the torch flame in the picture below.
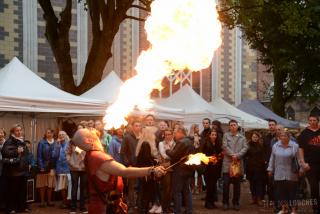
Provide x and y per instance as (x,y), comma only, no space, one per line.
(184,35)
(196,159)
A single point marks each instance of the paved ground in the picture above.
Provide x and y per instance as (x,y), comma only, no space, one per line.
(198,206)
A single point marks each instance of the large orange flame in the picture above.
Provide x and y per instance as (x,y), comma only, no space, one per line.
(196,159)
(184,35)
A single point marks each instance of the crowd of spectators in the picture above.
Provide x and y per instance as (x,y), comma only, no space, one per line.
(273,163)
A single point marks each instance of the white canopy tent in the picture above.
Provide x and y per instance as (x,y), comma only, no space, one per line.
(195,107)
(160,112)
(107,90)
(29,100)
(22,90)
(247,120)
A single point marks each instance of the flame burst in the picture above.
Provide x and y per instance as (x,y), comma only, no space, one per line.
(184,35)
(196,159)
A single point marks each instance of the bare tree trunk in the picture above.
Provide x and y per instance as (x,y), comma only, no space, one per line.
(98,57)
(279,100)
(57,34)
(106,17)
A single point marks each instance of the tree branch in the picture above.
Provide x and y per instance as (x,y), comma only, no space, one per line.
(48,10)
(146,2)
(49,16)
(65,22)
(135,18)
(111,6)
(95,17)
(293,92)
(102,9)
(238,7)
(142,8)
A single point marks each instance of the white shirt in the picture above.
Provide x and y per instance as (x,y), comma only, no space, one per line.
(163,146)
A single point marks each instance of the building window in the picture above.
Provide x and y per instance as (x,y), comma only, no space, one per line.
(291,113)
(315,111)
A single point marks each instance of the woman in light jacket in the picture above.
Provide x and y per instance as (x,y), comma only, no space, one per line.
(281,166)
(75,157)
(62,168)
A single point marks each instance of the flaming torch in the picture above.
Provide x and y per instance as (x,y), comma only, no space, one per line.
(195,159)
(183,35)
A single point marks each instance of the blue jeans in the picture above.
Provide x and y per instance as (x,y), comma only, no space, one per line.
(75,176)
(181,181)
(227,180)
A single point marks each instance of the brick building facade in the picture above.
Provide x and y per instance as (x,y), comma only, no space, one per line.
(11,31)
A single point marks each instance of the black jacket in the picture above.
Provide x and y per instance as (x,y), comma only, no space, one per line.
(213,150)
(255,162)
(267,146)
(182,149)
(13,163)
(128,149)
(204,136)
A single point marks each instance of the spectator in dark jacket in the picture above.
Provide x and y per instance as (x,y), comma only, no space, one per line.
(203,136)
(2,140)
(255,166)
(309,150)
(268,142)
(147,191)
(128,158)
(212,147)
(206,129)
(2,181)
(46,163)
(15,166)
(182,174)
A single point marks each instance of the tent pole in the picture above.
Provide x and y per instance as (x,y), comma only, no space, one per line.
(33,131)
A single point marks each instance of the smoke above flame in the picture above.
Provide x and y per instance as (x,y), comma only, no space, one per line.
(184,35)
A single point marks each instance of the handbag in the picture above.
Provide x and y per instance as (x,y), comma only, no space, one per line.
(235,169)
(295,167)
(113,200)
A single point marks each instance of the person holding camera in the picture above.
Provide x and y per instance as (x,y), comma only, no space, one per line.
(15,167)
